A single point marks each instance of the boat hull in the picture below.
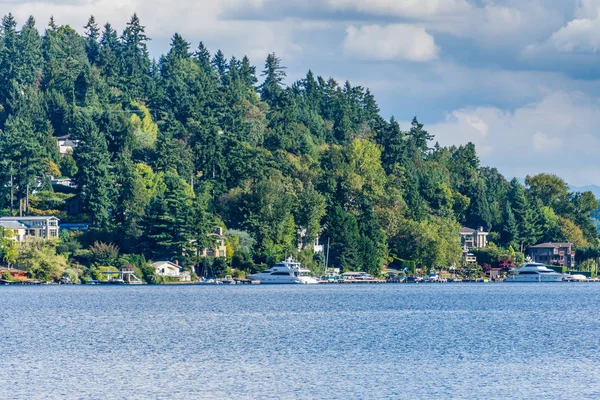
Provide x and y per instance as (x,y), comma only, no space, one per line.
(267,280)
(535,278)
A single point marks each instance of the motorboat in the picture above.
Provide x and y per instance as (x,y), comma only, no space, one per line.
(285,272)
(534,272)
(575,278)
(228,280)
(433,277)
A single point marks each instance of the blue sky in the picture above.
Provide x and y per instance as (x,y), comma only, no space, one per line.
(517,78)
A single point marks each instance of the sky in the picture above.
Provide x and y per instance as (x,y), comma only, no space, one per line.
(519,79)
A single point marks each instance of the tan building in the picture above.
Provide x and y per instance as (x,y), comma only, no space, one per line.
(66,145)
(35,227)
(471,238)
(218,250)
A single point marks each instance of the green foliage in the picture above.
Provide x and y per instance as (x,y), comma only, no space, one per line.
(40,261)
(104,253)
(167,150)
(8,246)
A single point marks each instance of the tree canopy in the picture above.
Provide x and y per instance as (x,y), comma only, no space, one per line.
(166,150)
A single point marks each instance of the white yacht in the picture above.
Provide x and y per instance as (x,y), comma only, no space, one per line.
(575,278)
(534,272)
(285,272)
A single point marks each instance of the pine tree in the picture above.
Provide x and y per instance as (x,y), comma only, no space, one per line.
(135,60)
(22,155)
(342,231)
(272,88)
(393,143)
(419,138)
(109,55)
(94,178)
(219,62)
(9,62)
(510,230)
(92,33)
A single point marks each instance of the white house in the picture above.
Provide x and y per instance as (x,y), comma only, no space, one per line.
(19,231)
(66,145)
(36,227)
(171,270)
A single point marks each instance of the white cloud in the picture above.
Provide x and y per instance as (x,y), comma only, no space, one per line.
(578,35)
(581,34)
(391,42)
(544,144)
(556,134)
(404,8)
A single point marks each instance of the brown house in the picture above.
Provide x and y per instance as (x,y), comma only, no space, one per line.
(562,254)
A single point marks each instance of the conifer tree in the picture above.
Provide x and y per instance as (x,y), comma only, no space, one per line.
(94,178)
(92,33)
(272,88)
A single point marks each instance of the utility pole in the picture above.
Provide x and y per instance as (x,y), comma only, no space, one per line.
(27,201)
(327,256)
(12,192)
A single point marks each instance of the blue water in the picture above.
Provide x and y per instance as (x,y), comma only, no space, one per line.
(472,341)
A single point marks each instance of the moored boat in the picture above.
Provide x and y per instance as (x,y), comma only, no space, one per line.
(534,272)
(285,272)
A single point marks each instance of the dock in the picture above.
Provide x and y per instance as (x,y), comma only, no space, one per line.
(352,281)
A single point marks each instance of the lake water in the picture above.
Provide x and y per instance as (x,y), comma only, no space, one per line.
(481,341)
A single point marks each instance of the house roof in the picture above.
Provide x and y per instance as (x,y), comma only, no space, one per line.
(551,245)
(467,230)
(26,218)
(12,225)
(171,264)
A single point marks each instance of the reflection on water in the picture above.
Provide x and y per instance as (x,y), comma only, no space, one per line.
(383,341)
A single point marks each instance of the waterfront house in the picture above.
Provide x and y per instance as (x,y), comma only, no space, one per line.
(471,238)
(36,227)
(218,249)
(19,231)
(560,254)
(171,270)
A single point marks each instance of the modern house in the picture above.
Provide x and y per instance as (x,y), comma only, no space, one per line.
(36,227)
(471,238)
(560,254)
(66,145)
(19,231)
(218,250)
(171,270)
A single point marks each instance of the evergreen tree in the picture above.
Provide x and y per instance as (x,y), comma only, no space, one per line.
(272,88)
(135,60)
(30,57)
(510,229)
(345,247)
(109,55)
(94,178)
(92,34)
(22,156)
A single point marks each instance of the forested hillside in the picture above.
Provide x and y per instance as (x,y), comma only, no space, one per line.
(170,148)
